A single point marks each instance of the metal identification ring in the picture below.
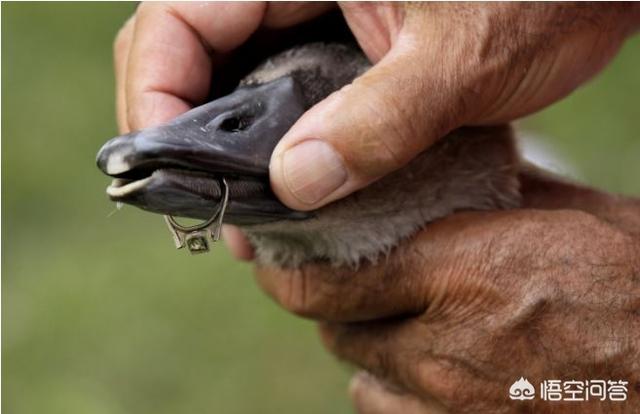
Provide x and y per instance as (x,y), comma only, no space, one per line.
(195,237)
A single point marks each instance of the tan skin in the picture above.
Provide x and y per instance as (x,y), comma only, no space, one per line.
(477,299)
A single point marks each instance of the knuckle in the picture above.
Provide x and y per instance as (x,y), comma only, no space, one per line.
(329,336)
(439,378)
(286,287)
(293,294)
(120,42)
(145,8)
(585,219)
(357,386)
(122,39)
(393,133)
(360,389)
(388,137)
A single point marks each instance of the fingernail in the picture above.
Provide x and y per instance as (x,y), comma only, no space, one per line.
(312,170)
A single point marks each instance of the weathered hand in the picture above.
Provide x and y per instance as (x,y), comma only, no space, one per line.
(438,66)
(454,316)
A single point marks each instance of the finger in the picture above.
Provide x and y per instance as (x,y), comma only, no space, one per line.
(544,190)
(175,46)
(374,25)
(285,14)
(169,67)
(366,130)
(387,349)
(397,350)
(373,396)
(345,294)
(404,352)
(399,284)
(453,257)
(121,48)
(237,242)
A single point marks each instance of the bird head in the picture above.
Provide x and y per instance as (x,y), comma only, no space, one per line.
(177,168)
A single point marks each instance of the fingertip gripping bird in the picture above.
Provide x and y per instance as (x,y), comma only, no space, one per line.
(212,163)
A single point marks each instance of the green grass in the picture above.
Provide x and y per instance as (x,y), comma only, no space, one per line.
(102,315)
(597,128)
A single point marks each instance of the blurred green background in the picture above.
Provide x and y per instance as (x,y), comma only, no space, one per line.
(102,315)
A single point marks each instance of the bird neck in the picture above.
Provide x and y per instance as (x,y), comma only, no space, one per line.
(470,169)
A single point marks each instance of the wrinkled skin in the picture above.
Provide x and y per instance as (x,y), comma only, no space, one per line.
(454,316)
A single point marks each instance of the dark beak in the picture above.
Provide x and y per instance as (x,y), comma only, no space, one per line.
(176,168)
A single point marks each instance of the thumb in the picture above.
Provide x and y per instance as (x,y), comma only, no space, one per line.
(364,131)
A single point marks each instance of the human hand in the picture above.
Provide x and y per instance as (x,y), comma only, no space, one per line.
(475,301)
(438,66)
(166,53)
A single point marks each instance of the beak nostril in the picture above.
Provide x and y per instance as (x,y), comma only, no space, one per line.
(236,123)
